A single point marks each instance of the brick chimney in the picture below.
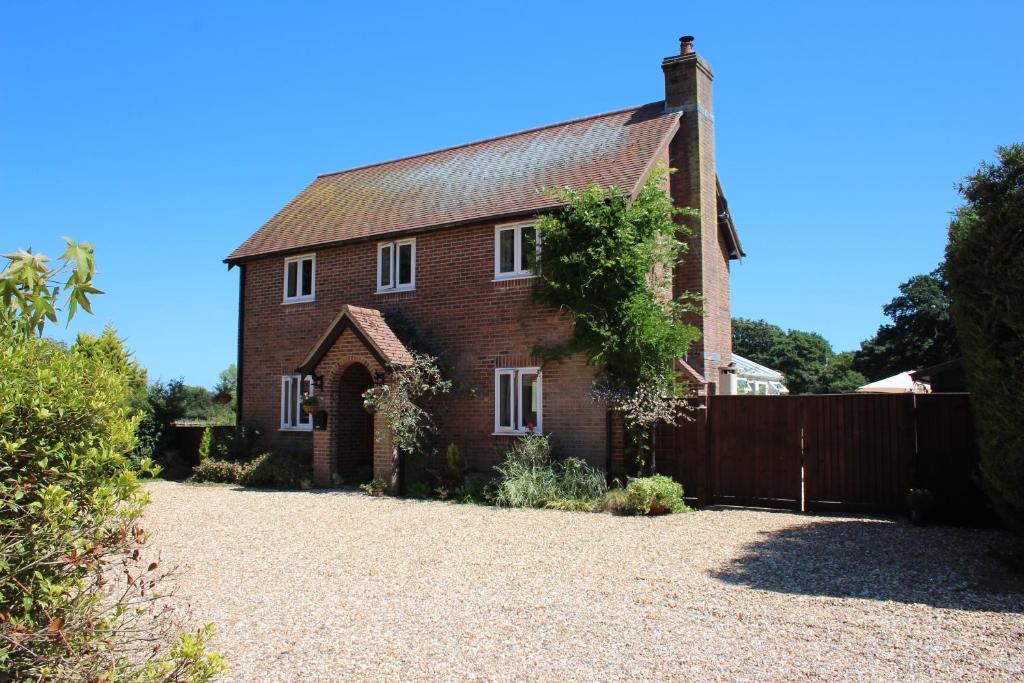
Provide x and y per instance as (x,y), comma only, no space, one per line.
(704,268)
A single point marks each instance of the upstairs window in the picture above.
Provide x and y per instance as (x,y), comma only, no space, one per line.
(396,265)
(517,400)
(293,389)
(516,249)
(300,278)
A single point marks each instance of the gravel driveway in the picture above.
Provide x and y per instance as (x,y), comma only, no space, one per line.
(323,586)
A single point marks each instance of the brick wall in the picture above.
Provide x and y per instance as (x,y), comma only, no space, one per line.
(472,322)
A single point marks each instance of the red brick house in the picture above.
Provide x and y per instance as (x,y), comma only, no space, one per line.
(441,242)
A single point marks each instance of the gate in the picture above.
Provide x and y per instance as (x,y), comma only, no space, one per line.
(834,452)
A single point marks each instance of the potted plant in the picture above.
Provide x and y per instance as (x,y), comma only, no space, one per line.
(920,503)
(310,404)
(374,487)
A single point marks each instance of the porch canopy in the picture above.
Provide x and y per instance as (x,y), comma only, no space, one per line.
(369,327)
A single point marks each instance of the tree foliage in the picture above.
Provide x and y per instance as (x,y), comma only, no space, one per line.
(80,595)
(31,291)
(984,260)
(607,259)
(921,333)
(806,359)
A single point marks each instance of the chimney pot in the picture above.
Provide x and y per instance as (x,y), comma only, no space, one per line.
(686,45)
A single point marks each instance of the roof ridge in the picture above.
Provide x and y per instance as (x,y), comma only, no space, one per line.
(490,139)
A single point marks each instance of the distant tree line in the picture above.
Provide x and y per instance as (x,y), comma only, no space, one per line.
(160,404)
(920,334)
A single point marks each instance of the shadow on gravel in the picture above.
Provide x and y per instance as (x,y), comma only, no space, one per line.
(881,560)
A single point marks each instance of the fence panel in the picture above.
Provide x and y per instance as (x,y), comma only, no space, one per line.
(858,451)
(848,452)
(947,457)
(680,452)
(755,450)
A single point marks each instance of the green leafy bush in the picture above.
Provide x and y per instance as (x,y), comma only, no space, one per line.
(217,472)
(654,495)
(80,595)
(279,470)
(474,491)
(375,486)
(529,478)
(986,280)
(573,504)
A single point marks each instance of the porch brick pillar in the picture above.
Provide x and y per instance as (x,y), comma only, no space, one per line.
(385,455)
(325,442)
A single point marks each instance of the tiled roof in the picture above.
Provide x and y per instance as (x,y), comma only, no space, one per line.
(369,325)
(502,176)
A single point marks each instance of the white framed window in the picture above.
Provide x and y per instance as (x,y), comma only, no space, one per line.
(396,265)
(300,278)
(293,389)
(518,400)
(516,250)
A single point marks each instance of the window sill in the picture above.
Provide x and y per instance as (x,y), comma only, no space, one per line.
(522,433)
(306,300)
(513,278)
(395,290)
(295,429)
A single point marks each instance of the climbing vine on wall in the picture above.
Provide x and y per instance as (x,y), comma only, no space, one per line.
(607,259)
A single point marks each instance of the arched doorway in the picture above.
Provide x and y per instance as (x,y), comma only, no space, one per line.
(355,426)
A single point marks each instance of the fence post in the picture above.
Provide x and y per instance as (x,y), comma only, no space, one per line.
(707,494)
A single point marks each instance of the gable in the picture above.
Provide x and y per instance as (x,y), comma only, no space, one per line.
(369,327)
(501,177)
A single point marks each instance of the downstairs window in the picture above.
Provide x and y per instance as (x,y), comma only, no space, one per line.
(517,400)
(293,389)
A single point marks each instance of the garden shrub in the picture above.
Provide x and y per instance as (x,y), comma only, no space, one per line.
(216,472)
(279,470)
(529,478)
(418,490)
(615,502)
(474,491)
(983,266)
(80,595)
(654,495)
(206,445)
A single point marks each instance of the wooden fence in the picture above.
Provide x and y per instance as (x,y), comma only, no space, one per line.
(836,452)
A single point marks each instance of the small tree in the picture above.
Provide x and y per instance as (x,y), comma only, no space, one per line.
(984,265)
(206,445)
(398,397)
(921,333)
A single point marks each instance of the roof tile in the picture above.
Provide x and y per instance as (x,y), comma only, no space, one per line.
(498,177)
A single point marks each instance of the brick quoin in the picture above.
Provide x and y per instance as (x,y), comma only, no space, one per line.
(476,324)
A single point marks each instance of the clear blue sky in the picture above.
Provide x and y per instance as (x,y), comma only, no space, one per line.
(166,133)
